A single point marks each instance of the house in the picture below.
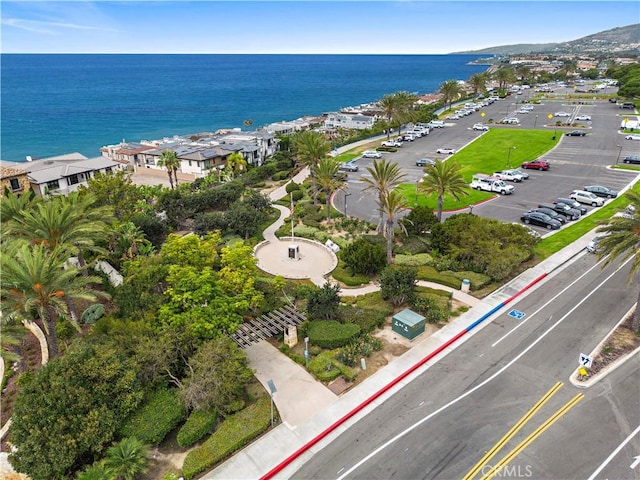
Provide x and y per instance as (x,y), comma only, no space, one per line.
(126,153)
(349,121)
(13,178)
(65,173)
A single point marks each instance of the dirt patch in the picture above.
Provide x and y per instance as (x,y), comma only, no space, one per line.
(621,342)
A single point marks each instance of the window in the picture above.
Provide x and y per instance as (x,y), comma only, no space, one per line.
(15,185)
(73,179)
(54,185)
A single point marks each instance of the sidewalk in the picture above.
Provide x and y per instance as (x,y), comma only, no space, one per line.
(267,452)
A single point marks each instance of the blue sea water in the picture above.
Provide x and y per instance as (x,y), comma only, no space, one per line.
(56,104)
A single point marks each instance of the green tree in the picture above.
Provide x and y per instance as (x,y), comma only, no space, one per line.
(397,285)
(169,160)
(364,257)
(383,177)
(238,274)
(12,206)
(322,303)
(397,108)
(69,411)
(127,459)
(310,147)
(450,91)
(504,76)
(218,375)
(191,250)
(236,164)
(478,83)
(114,190)
(419,221)
(621,241)
(97,471)
(35,285)
(243,219)
(130,241)
(324,179)
(392,206)
(443,178)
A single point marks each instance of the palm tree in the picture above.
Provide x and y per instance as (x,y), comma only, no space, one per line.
(504,75)
(169,160)
(325,179)
(12,206)
(450,91)
(389,106)
(127,459)
(35,285)
(622,241)
(310,147)
(392,204)
(385,176)
(443,178)
(131,241)
(235,164)
(524,73)
(478,82)
(398,108)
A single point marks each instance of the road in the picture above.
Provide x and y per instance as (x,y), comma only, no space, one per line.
(443,421)
(576,161)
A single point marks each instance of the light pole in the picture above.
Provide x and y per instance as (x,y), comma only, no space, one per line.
(535,121)
(619,153)
(345,204)
(509,155)
(415,203)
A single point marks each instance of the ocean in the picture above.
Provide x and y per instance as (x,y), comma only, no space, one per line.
(57,104)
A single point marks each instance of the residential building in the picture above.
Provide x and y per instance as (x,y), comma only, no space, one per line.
(349,121)
(13,179)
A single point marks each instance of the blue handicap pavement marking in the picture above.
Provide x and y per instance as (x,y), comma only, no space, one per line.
(517,314)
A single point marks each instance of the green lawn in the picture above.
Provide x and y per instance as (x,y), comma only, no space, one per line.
(488,154)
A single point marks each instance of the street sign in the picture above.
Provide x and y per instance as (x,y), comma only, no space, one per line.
(550,116)
(517,314)
(585,360)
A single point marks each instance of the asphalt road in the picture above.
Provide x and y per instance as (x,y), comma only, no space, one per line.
(575,162)
(441,423)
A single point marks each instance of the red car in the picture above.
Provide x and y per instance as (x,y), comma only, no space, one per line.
(536,165)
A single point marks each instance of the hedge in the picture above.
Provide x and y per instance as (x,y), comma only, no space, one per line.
(331,333)
(327,368)
(199,424)
(417,260)
(430,274)
(161,412)
(477,280)
(234,433)
(368,319)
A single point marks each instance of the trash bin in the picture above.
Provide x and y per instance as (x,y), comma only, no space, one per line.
(465,285)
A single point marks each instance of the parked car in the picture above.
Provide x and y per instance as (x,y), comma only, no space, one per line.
(583,118)
(435,124)
(573,204)
(511,120)
(575,133)
(510,175)
(391,143)
(446,150)
(587,197)
(408,137)
(525,175)
(632,137)
(631,159)
(481,127)
(601,191)
(349,167)
(563,209)
(536,165)
(371,154)
(423,162)
(592,246)
(540,219)
(552,213)
(561,114)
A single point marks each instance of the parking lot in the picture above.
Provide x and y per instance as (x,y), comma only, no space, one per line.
(575,162)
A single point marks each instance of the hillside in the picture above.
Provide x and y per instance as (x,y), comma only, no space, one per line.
(619,40)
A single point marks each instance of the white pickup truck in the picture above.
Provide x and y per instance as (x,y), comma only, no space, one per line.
(510,175)
(488,183)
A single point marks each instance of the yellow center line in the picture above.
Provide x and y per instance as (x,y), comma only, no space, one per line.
(527,441)
(515,429)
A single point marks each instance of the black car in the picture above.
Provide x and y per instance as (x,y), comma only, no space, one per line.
(631,159)
(552,213)
(541,219)
(563,209)
(349,167)
(575,133)
(601,191)
(573,204)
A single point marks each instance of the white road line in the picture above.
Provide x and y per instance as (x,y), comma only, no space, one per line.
(480,385)
(614,453)
(545,305)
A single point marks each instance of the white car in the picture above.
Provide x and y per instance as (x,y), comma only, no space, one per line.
(481,127)
(587,197)
(523,111)
(511,121)
(391,143)
(528,108)
(561,114)
(371,154)
(447,151)
(584,118)
(632,137)
(510,175)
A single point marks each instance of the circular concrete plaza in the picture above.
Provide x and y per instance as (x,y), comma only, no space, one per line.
(313,258)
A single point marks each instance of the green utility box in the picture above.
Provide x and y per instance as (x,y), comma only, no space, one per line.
(408,323)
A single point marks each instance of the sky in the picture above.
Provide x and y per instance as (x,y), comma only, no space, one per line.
(294,26)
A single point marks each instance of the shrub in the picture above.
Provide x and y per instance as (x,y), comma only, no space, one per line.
(304,231)
(430,274)
(234,433)
(292,187)
(324,366)
(363,257)
(331,333)
(282,175)
(397,284)
(93,313)
(477,280)
(297,195)
(162,412)
(368,319)
(429,307)
(199,424)
(341,274)
(364,346)
(417,260)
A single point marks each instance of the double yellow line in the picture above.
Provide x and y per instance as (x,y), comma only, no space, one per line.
(515,429)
